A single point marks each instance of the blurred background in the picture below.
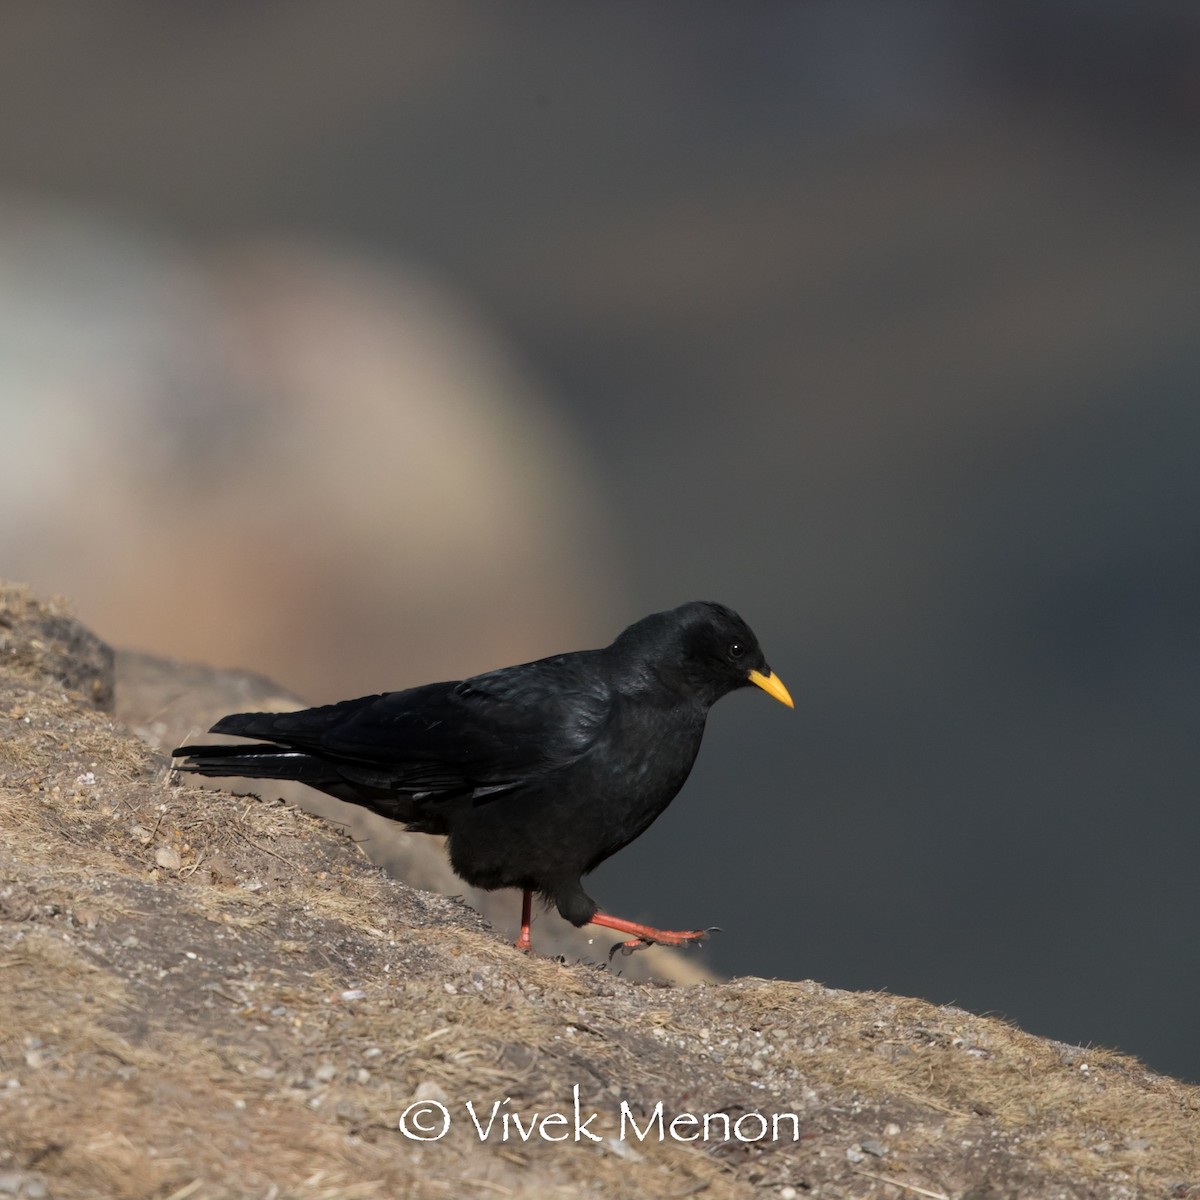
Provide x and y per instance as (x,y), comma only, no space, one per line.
(366,344)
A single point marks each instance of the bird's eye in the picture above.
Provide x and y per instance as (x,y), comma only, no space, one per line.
(736,649)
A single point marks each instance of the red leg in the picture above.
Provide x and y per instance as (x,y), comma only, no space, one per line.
(523,942)
(646,935)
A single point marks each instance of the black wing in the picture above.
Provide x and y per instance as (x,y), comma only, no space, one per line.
(490,731)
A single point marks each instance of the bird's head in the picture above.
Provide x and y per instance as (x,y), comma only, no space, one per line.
(703,649)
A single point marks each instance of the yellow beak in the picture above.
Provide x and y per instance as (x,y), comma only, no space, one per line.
(772,685)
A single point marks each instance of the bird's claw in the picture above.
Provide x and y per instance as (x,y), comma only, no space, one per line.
(627,948)
(631,947)
(643,940)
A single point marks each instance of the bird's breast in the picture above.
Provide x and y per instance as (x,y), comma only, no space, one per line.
(635,770)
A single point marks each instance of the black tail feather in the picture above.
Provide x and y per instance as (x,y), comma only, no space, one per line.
(255,762)
(302,728)
(260,761)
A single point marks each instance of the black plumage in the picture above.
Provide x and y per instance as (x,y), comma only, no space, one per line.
(535,773)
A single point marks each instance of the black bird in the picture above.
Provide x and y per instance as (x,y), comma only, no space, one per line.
(535,773)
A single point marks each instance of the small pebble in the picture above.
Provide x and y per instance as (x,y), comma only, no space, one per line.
(351,1114)
(622,1149)
(878,1149)
(168,858)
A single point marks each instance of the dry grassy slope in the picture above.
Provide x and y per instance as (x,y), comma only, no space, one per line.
(206,996)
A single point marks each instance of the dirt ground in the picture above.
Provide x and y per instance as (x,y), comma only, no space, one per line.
(206,996)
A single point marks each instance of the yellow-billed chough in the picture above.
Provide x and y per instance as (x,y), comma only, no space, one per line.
(535,773)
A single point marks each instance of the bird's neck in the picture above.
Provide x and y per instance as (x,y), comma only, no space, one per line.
(665,689)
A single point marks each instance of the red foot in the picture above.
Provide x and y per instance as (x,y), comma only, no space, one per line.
(523,942)
(646,935)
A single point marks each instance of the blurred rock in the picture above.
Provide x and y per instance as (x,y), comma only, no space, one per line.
(42,640)
(297,462)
